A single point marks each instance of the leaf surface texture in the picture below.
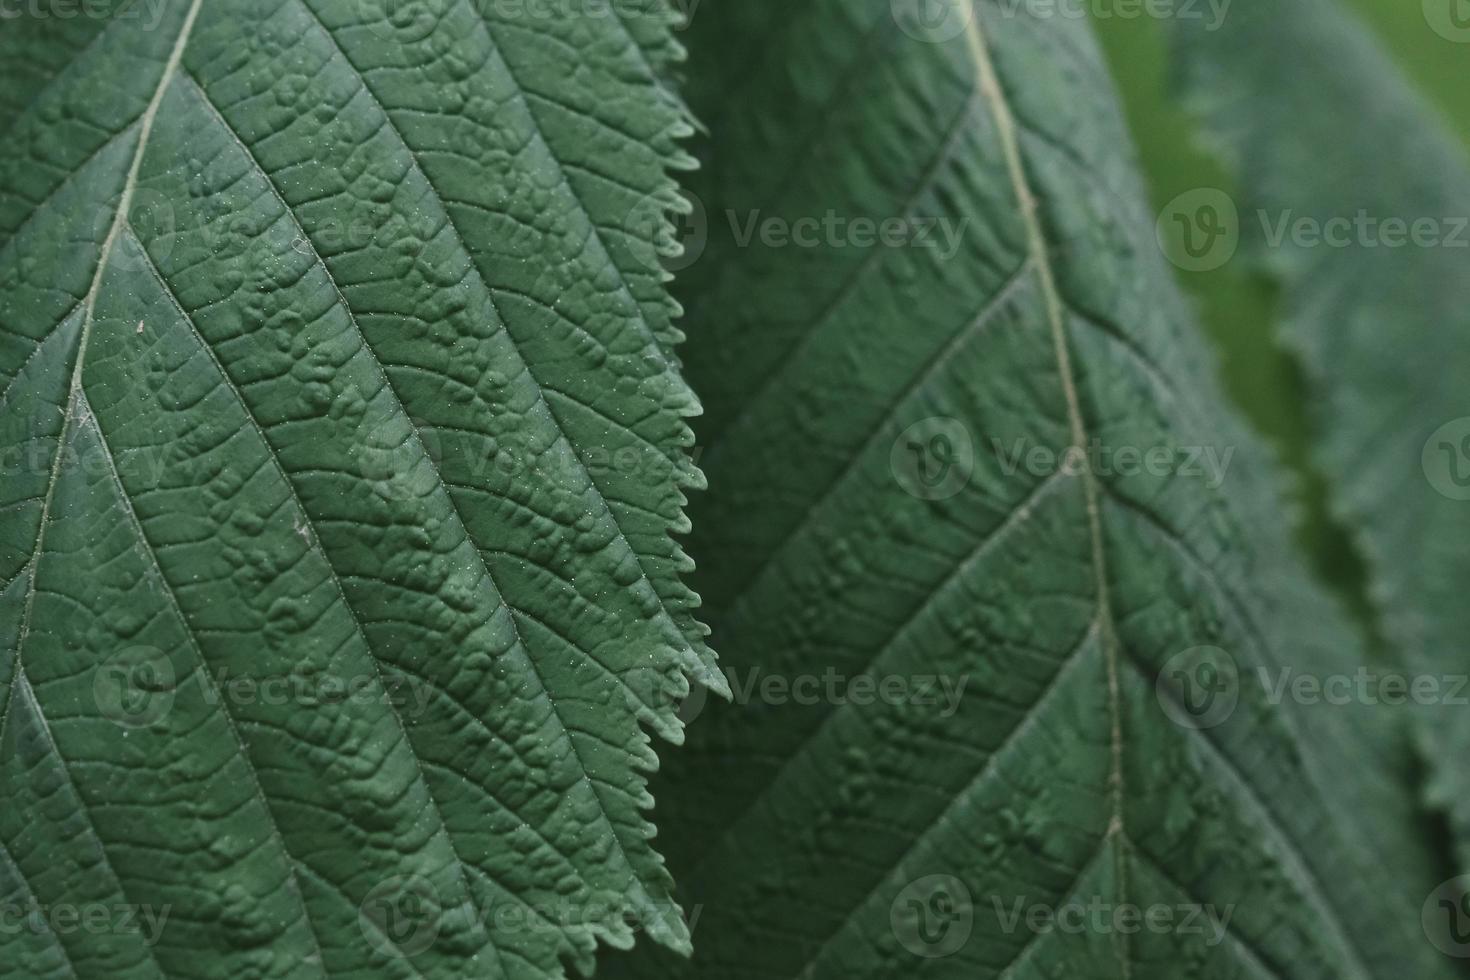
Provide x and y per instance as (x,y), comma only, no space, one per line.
(1378,317)
(799,829)
(332,357)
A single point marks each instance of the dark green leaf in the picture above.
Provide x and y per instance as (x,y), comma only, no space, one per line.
(343,446)
(890,510)
(1370,195)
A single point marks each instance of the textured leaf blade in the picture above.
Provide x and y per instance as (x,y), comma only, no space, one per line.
(318,320)
(1378,321)
(811,833)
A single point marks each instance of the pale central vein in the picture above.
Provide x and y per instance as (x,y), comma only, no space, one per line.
(89,304)
(1005,122)
(73,402)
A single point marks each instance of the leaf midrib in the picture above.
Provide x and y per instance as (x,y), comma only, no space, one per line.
(73,407)
(994,94)
(89,306)
(1027,203)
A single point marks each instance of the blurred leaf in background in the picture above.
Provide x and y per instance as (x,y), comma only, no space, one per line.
(1237,305)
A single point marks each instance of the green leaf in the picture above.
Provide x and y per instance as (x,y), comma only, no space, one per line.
(891,518)
(1377,313)
(1234,302)
(343,450)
